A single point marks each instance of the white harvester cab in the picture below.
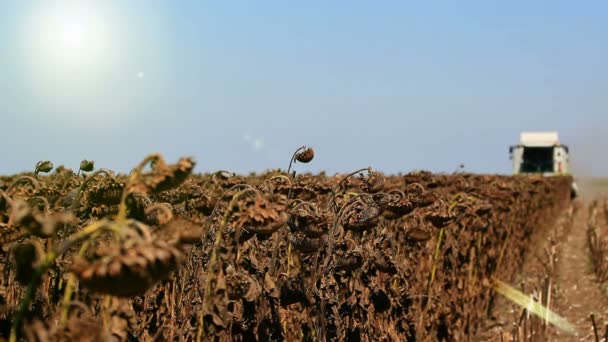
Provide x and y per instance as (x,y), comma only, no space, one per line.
(540,152)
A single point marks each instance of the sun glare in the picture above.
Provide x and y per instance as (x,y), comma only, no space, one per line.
(73,34)
(70,49)
(67,36)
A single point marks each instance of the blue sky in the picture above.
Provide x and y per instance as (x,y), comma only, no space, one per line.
(241,84)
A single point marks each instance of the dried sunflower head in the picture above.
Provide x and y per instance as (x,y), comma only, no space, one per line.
(241,285)
(128,269)
(305,244)
(417,230)
(108,193)
(9,233)
(203,204)
(361,215)
(87,165)
(279,184)
(43,166)
(395,203)
(103,210)
(176,174)
(260,215)
(306,155)
(163,177)
(439,214)
(348,260)
(373,183)
(226,179)
(310,220)
(35,222)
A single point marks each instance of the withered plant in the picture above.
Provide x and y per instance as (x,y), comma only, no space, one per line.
(161,253)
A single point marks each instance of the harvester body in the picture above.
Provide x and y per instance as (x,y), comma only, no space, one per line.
(541,153)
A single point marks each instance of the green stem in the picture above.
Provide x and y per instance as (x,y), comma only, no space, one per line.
(432,275)
(67,295)
(69,286)
(435,258)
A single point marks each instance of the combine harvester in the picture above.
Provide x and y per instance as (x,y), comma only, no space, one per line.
(541,153)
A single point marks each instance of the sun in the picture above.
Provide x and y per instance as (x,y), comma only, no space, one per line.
(73,52)
(67,35)
(72,34)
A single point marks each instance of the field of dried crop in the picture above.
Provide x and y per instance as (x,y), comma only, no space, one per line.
(597,239)
(167,254)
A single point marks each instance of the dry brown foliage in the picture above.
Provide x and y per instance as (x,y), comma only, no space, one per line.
(268,257)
